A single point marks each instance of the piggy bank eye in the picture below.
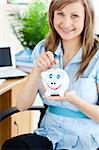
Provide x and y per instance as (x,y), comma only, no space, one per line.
(58,76)
(50,76)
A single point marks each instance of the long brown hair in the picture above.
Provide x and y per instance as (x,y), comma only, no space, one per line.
(88,39)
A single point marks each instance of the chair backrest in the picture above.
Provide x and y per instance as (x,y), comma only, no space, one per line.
(42,114)
(12,110)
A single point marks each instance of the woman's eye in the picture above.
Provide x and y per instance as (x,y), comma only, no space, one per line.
(60,14)
(74,16)
(58,76)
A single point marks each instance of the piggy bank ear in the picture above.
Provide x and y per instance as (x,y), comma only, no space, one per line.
(43,74)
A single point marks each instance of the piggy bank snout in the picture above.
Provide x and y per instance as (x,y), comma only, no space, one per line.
(53,83)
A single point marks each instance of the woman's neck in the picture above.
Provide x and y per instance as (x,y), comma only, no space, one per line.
(71,46)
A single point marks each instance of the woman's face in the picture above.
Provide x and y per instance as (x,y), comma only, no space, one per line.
(69,21)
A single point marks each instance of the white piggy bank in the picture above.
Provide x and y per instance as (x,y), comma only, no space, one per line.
(55,82)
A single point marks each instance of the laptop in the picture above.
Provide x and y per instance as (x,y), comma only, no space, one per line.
(7,64)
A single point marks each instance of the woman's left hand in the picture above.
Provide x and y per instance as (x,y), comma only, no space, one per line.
(69,96)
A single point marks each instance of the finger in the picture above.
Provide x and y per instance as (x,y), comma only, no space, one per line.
(47,60)
(40,64)
(43,62)
(56,61)
(51,56)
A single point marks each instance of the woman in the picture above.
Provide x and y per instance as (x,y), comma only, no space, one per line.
(71,41)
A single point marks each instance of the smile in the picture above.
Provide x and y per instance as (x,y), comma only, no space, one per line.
(54,88)
(66,31)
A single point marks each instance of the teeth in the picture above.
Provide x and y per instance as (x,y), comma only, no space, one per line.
(65,30)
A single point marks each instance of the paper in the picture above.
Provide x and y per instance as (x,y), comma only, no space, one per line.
(2,81)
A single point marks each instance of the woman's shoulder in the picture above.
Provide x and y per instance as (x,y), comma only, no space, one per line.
(97,47)
(40,45)
(38,49)
(97,54)
(95,60)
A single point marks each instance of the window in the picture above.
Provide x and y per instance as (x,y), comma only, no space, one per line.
(96,6)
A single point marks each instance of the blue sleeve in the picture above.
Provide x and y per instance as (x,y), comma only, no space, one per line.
(97,76)
(37,51)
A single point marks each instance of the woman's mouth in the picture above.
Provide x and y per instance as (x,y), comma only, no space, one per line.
(66,31)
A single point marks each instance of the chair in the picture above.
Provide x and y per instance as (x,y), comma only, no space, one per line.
(13,110)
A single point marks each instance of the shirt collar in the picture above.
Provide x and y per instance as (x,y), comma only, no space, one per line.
(59,51)
(78,56)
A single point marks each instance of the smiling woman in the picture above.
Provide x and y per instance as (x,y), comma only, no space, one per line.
(69,22)
(74,117)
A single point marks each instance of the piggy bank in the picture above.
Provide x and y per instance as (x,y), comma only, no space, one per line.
(55,82)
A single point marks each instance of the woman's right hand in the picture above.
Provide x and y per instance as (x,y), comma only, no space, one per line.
(45,61)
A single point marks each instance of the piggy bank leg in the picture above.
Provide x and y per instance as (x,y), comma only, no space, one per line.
(48,93)
(61,94)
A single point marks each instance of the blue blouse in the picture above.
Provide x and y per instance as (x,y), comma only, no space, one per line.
(65,132)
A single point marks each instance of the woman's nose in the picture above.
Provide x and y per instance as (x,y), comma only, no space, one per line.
(67,22)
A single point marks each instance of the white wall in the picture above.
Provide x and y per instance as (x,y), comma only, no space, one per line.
(96,6)
(6,34)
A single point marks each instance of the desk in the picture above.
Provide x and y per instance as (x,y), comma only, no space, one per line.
(5,102)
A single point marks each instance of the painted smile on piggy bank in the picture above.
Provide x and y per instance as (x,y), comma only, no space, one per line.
(55,82)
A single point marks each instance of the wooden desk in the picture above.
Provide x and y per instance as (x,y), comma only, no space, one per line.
(5,102)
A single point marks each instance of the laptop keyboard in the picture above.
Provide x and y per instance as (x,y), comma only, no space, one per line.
(6,73)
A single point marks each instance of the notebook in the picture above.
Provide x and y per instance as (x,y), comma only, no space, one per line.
(7,64)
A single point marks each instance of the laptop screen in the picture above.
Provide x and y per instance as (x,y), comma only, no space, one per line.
(5,57)
(7,64)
